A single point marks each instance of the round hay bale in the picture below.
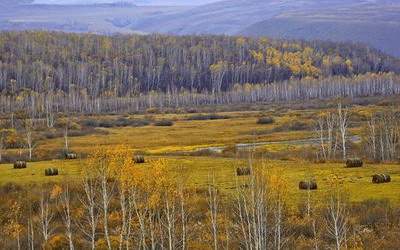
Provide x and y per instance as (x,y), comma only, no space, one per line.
(243,171)
(381,178)
(20,164)
(308,185)
(51,172)
(265,120)
(138,159)
(71,156)
(354,163)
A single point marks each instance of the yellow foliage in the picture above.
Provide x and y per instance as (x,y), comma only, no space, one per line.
(56,242)
(55,192)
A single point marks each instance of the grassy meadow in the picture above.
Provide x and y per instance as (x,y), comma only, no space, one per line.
(198,171)
(180,142)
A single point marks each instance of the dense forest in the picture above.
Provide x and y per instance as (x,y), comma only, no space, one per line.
(129,65)
(46,72)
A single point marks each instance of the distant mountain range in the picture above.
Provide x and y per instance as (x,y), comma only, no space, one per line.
(373,22)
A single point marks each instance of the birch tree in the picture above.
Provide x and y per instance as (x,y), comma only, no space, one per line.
(343,123)
(46,217)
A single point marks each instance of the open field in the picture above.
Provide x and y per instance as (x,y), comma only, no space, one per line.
(283,144)
(190,135)
(197,172)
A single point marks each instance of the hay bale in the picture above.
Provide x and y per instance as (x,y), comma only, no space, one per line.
(51,172)
(138,159)
(308,185)
(265,120)
(20,164)
(243,171)
(164,123)
(71,156)
(381,178)
(354,163)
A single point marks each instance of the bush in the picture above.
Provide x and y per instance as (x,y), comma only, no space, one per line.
(354,163)
(381,178)
(51,172)
(19,164)
(164,123)
(120,122)
(207,117)
(243,171)
(293,126)
(308,185)
(138,159)
(265,120)
(152,111)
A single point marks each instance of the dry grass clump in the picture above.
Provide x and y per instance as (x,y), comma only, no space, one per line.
(354,163)
(20,165)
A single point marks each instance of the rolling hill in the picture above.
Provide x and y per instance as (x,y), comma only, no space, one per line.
(373,22)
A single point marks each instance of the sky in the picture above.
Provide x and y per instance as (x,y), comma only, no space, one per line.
(139,2)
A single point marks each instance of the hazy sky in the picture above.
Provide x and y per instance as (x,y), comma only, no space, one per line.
(139,2)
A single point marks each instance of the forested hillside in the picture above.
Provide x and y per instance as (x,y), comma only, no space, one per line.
(90,73)
(129,65)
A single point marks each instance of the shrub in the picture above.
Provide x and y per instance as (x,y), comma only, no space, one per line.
(164,123)
(120,122)
(152,111)
(354,163)
(201,117)
(138,159)
(308,185)
(51,172)
(243,171)
(90,123)
(381,178)
(265,120)
(20,164)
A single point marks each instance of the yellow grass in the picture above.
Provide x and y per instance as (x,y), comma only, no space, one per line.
(198,171)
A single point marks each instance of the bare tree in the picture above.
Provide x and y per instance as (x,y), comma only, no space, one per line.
(2,143)
(65,201)
(29,137)
(46,217)
(66,142)
(343,122)
(321,135)
(30,233)
(106,193)
(336,217)
(251,209)
(90,219)
(213,206)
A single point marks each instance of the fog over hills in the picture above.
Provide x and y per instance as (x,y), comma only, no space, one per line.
(138,2)
(374,22)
